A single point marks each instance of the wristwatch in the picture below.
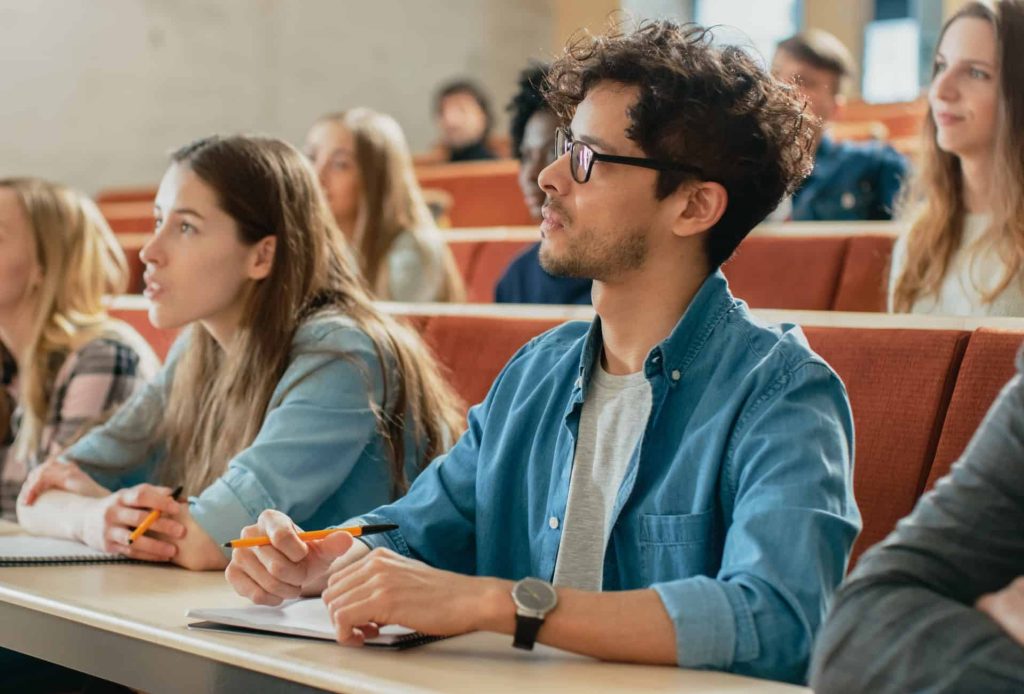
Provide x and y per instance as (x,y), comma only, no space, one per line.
(534,599)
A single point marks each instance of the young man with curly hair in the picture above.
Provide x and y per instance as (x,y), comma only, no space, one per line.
(670,483)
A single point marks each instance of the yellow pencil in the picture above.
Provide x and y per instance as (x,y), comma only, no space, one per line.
(354,531)
(150,519)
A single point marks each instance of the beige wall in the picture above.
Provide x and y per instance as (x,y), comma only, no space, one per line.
(95,92)
(951,6)
(571,15)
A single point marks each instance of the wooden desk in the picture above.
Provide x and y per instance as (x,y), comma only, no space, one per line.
(127,624)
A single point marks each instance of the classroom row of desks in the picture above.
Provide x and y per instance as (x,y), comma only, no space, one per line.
(126,623)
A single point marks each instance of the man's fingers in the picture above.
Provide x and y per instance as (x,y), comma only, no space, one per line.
(245,586)
(283,534)
(331,547)
(278,565)
(250,565)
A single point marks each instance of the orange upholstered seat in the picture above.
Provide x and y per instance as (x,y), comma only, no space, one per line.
(864,280)
(899,382)
(787,272)
(473,349)
(987,365)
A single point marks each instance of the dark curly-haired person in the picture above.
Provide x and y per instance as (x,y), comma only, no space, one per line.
(532,128)
(670,483)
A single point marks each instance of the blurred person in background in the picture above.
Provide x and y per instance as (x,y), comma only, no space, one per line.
(533,143)
(365,170)
(850,180)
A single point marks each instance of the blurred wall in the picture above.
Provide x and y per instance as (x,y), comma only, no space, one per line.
(95,92)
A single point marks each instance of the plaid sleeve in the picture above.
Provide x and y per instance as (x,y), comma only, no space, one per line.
(93,382)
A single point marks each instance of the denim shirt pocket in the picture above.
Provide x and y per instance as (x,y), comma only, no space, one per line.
(678,546)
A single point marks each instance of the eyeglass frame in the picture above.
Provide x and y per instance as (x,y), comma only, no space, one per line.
(656,164)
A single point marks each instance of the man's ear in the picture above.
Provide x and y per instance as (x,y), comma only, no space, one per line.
(703,205)
(261,261)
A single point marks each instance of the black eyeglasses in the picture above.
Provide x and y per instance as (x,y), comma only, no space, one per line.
(582,158)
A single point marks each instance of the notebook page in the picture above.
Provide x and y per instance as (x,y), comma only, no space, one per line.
(307,618)
(42,550)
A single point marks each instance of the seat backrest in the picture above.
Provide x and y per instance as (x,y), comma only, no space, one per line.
(987,365)
(488,267)
(899,383)
(483,193)
(473,349)
(795,272)
(864,280)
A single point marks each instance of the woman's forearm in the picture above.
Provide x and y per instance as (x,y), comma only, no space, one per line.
(56,513)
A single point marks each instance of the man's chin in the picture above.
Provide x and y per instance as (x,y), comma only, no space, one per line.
(561,267)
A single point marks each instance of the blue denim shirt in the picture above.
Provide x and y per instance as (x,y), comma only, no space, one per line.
(850,181)
(318,455)
(737,506)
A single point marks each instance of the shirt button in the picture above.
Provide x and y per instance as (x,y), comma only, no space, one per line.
(553,523)
(579,382)
(675,374)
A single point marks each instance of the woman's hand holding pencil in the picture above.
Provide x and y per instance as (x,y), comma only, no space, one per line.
(111,521)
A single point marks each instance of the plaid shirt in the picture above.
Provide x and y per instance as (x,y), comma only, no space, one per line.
(89,385)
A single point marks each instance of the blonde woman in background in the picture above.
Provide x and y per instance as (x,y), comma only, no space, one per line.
(964,252)
(64,363)
(365,169)
(289,390)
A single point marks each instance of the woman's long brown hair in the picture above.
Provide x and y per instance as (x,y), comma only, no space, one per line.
(219,397)
(934,201)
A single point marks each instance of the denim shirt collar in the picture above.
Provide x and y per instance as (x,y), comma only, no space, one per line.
(675,354)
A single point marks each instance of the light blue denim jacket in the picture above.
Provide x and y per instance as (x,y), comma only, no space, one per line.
(318,456)
(737,506)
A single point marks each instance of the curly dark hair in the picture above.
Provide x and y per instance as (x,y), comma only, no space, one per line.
(527,101)
(708,106)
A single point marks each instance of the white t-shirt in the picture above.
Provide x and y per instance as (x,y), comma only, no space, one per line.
(972,271)
(612,422)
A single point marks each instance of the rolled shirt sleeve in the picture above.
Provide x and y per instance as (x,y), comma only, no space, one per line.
(788,491)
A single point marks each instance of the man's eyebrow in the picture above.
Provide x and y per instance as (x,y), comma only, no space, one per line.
(595,142)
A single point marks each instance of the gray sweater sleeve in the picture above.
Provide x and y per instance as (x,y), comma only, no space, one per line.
(904,621)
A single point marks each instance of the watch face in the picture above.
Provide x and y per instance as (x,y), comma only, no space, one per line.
(535,595)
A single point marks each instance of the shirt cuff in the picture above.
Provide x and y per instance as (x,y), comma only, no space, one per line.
(705,623)
(232,502)
(392,540)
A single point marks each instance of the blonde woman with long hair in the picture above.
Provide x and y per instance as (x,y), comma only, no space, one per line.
(288,390)
(365,169)
(964,252)
(64,363)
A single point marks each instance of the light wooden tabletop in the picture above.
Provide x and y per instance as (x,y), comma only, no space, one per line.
(146,606)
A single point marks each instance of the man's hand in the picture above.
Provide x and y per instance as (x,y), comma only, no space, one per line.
(288,567)
(1006,607)
(387,588)
(55,474)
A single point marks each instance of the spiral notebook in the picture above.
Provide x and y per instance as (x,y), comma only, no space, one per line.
(304,618)
(28,550)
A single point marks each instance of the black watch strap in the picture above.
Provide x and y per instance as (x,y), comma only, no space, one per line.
(526,631)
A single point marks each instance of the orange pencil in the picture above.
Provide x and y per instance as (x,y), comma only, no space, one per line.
(150,519)
(354,531)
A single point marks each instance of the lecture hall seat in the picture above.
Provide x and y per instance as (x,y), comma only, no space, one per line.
(988,364)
